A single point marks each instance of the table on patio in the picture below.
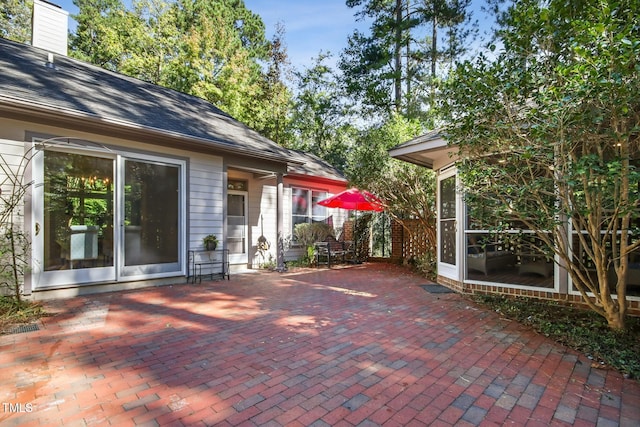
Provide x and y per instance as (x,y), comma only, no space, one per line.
(215,262)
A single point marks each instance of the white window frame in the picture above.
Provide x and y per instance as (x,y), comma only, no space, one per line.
(121,273)
(322,194)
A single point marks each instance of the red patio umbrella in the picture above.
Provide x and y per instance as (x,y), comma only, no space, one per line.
(354,199)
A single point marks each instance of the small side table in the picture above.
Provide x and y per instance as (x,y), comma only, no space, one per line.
(214,263)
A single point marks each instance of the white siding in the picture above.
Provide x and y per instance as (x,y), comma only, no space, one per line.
(12,165)
(263,214)
(205,199)
(14,161)
(50,27)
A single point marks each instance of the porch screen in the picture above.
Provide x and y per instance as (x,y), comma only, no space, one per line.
(448,220)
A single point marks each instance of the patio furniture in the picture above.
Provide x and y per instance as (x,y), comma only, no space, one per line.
(489,257)
(83,244)
(541,267)
(533,261)
(214,262)
(330,250)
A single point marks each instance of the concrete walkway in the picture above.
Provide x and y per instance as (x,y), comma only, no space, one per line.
(353,346)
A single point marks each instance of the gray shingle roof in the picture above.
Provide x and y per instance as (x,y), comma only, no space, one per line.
(312,165)
(79,89)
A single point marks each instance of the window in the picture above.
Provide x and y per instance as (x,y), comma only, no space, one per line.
(305,207)
(78,214)
(448,220)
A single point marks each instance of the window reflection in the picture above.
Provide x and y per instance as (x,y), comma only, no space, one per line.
(78,215)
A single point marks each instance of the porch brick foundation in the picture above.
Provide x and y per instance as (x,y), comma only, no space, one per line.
(472,288)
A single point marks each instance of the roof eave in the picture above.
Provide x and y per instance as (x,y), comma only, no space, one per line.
(88,122)
(427,152)
(318,179)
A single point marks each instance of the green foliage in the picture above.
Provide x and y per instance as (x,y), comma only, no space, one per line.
(369,158)
(210,241)
(426,264)
(275,122)
(208,49)
(393,68)
(102,30)
(577,328)
(362,235)
(321,118)
(548,136)
(407,190)
(15,20)
(307,234)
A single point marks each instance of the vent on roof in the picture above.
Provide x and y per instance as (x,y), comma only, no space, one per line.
(50,27)
(49,63)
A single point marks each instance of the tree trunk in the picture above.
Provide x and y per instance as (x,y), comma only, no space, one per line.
(434,57)
(398,57)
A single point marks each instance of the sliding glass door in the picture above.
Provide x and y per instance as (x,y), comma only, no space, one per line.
(102,217)
(151,217)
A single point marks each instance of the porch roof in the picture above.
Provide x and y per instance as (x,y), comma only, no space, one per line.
(314,168)
(430,150)
(51,89)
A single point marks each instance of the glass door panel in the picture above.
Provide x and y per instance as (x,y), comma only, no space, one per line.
(151,217)
(237,227)
(77,219)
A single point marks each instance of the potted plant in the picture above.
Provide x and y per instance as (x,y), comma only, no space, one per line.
(210,242)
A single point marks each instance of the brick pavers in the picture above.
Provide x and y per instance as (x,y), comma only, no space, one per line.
(355,346)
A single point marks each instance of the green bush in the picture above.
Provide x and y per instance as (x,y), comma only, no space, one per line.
(426,265)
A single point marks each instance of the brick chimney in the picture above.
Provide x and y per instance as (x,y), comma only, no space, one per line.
(50,27)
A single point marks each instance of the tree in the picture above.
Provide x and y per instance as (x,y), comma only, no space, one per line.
(408,191)
(15,20)
(277,97)
(100,34)
(395,67)
(207,49)
(152,42)
(372,65)
(321,118)
(548,138)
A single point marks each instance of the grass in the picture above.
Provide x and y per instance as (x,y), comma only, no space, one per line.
(14,313)
(580,329)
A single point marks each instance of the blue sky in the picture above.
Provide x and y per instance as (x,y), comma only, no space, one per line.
(310,25)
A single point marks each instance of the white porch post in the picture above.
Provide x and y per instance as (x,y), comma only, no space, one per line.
(280,223)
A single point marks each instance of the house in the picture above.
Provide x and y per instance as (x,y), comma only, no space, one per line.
(471,259)
(125,177)
(308,180)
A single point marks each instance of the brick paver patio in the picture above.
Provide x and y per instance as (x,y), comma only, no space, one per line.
(354,346)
